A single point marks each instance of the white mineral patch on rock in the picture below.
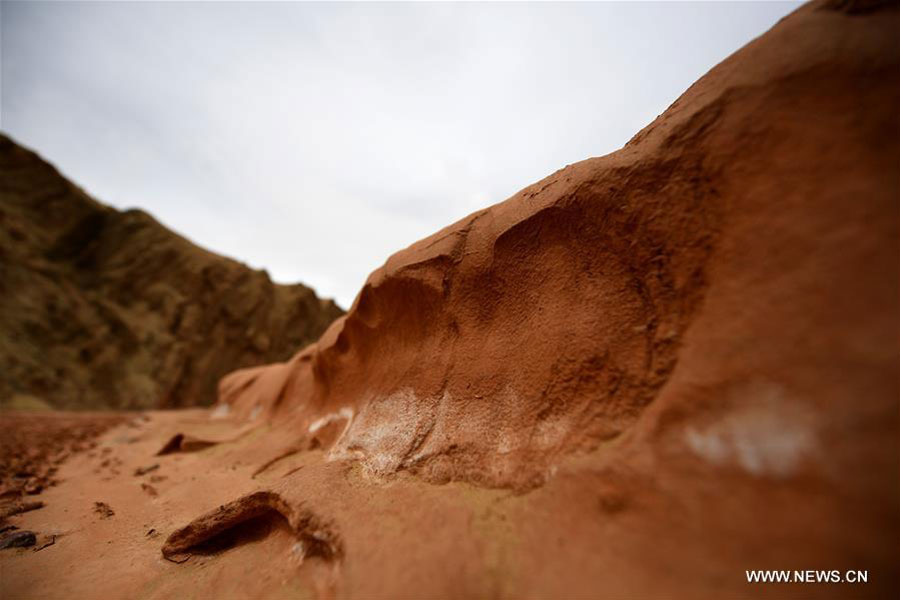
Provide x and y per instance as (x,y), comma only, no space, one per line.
(385,431)
(345,414)
(765,434)
(220,412)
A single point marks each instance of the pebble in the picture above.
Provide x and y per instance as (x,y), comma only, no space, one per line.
(18,539)
(143,470)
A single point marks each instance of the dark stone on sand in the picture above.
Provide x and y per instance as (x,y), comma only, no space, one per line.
(18,539)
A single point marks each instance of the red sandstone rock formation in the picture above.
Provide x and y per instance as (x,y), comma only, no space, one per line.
(724,284)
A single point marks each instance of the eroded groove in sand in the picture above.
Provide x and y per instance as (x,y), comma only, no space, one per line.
(316,538)
(182,442)
(269,463)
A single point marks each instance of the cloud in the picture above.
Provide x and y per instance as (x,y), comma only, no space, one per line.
(314,140)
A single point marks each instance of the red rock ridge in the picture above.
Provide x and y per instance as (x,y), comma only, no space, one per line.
(713,292)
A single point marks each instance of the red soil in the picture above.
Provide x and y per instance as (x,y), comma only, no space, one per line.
(34,445)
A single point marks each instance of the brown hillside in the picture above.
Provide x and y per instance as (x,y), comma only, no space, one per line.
(102,308)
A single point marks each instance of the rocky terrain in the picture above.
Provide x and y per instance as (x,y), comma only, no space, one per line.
(642,376)
(107,309)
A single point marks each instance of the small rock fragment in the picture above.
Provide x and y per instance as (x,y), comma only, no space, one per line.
(103,509)
(18,539)
(10,492)
(149,489)
(144,470)
(20,507)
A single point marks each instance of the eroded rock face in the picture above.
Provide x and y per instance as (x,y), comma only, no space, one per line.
(720,285)
(101,308)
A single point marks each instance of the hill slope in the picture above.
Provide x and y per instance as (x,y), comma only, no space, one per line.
(102,308)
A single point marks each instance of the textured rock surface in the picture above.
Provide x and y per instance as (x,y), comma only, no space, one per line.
(640,377)
(101,308)
(727,278)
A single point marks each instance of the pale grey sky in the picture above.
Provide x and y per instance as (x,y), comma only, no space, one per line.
(316,139)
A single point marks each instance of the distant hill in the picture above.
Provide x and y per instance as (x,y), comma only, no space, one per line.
(102,308)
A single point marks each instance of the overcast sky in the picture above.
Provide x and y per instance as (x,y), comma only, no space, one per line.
(314,140)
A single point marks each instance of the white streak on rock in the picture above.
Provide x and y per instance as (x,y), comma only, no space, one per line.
(221,411)
(765,434)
